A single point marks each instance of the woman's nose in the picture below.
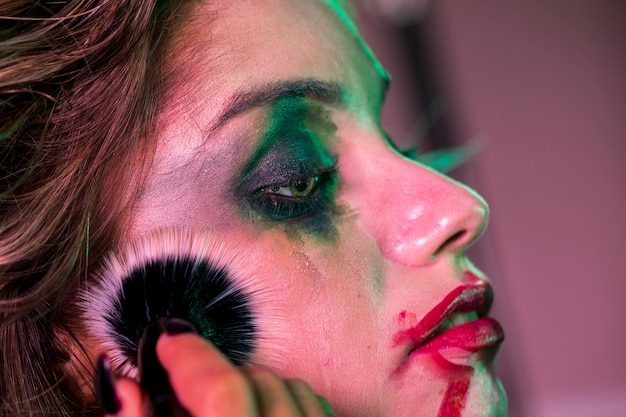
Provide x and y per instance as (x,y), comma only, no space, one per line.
(416,214)
(435,216)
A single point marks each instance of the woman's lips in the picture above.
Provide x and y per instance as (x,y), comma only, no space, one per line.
(471,336)
(458,321)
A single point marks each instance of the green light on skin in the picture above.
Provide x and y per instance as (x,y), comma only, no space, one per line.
(367,82)
(293,145)
(288,116)
(336,6)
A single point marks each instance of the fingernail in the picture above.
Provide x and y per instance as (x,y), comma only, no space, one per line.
(174,326)
(152,376)
(105,387)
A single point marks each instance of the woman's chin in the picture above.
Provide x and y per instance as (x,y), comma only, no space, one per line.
(486,397)
(461,391)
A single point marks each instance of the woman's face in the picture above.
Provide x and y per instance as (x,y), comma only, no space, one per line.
(356,254)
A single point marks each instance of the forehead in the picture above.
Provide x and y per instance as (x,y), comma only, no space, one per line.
(227,47)
(271,36)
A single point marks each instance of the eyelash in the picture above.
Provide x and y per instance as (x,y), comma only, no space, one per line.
(282,207)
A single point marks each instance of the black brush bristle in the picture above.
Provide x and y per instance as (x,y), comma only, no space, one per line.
(191,289)
(188,274)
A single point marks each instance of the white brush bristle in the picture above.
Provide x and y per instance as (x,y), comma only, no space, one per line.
(98,302)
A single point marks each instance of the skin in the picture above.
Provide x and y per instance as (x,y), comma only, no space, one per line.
(331,287)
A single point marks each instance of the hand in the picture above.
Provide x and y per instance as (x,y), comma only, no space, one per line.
(207,384)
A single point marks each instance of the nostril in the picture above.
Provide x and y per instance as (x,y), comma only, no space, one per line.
(450,241)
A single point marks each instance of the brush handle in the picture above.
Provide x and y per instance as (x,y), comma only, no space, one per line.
(154,379)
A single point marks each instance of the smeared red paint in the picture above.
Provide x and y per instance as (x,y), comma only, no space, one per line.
(407,319)
(478,335)
(402,315)
(454,400)
(465,298)
(453,370)
(472,336)
(482,334)
(456,393)
(471,278)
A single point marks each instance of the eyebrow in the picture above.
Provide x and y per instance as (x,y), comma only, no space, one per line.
(326,92)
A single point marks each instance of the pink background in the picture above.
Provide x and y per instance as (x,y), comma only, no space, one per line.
(543,85)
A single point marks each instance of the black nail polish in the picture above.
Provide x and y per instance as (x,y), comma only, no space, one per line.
(153,377)
(105,387)
(174,326)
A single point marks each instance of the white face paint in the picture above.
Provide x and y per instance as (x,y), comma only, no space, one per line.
(361,250)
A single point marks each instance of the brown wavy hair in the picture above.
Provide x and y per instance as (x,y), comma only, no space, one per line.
(81,86)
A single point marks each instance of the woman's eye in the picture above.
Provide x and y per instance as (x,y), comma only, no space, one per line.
(301,196)
(300,188)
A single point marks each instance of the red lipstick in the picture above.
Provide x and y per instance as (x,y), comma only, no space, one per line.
(472,336)
(450,323)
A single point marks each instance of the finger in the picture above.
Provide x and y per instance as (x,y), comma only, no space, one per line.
(154,380)
(273,396)
(311,405)
(116,397)
(205,382)
(328,410)
(130,398)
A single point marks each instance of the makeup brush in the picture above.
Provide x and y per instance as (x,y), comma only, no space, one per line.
(184,274)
